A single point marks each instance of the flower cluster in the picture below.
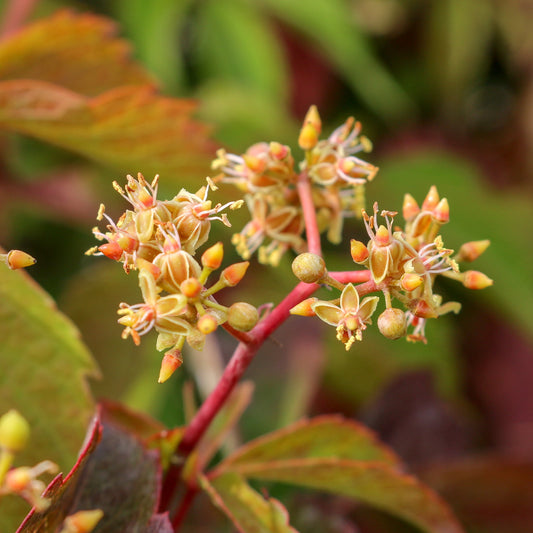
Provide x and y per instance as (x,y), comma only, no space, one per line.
(266,175)
(23,480)
(403,265)
(159,239)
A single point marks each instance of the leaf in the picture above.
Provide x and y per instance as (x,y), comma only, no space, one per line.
(476,212)
(374,483)
(329,28)
(131,127)
(159,524)
(246,508)
(235,41)
(61,492)
(322,437)
(123,479)
(44,366)
(76,51)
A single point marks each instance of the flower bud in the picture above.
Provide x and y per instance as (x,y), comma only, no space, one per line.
(359,251)
(312,117)
(16,259)
(476,280)
(14,431)
(392,323)
(172,360)
(304,308)
(470,251)
(278,151)
(411,281)
(207,324)
(212,257)
(410,207)
(308,137)
(242,316)
(234,273)
(431,200)
(82,521)
(18,479)
(309,268)
(191,287)
(442,211)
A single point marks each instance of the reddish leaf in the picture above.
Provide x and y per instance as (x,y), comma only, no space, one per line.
(62,492)
(324,436)
(374,483)
(159,523)
(131,128)
(245,507)
(76,51)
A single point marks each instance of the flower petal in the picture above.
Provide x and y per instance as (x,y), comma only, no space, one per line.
(329,313)
(367,308)
(349,298)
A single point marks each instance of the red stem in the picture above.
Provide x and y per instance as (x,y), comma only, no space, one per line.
(14,16)
(308,207)
(185,504)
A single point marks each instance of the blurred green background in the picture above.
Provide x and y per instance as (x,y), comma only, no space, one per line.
(444,89)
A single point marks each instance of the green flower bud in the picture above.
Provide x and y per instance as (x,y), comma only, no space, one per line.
(242,316)
(309,268)
(392,323)
(14,431)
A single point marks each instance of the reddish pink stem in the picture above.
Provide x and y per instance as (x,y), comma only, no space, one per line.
(308,207)
(14,16)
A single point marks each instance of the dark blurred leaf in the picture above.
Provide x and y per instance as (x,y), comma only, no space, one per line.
(247,509)
(131,128)
(159,524)
(140,425)
(326,436)
(235,41)
(44,366)
(476,212)
(489,495)
(76,51)
(330,28)
(62,492)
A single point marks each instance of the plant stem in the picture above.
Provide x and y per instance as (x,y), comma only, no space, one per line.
(15,14)
(185,504)
(308,207)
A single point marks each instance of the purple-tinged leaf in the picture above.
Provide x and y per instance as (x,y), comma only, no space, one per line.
(159,523)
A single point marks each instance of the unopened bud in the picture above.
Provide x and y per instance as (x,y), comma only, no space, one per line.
(308,137)
(172,360)
(312,117)
(16,259)
(212,257)
(358,251)
(18,479)
(431,200)
(82,521)
(309,268)
(411,281)
(234,273)
(383,237)
(410,207)
(442,211)
(392,323)
(14,431)
(476,280)
(143,264)
(470,251)
(191,287)
(207,324)
(242,316)
(304,308)
(421,309)
(278,151)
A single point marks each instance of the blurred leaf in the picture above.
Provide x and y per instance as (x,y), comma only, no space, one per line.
(140,425)
(159,524)
(325,436)
(131,128)
(247,509)
(235,41)
(62,491)
(489,495)
(330,28)
(44,366)
(476,212)
(154,28)
(370,482)
(122,479)
(76,51)
(459,34)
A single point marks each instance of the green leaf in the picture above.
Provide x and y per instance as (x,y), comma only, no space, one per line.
(330,29)
(235,41)
(44,366)
(374,483)
(247,509)
(326,436)
(76,51)
(130,128)
(476,212)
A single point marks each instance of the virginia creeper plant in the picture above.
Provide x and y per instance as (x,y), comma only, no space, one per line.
(167,245)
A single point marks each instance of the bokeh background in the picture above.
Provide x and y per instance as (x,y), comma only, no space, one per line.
(444,89)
